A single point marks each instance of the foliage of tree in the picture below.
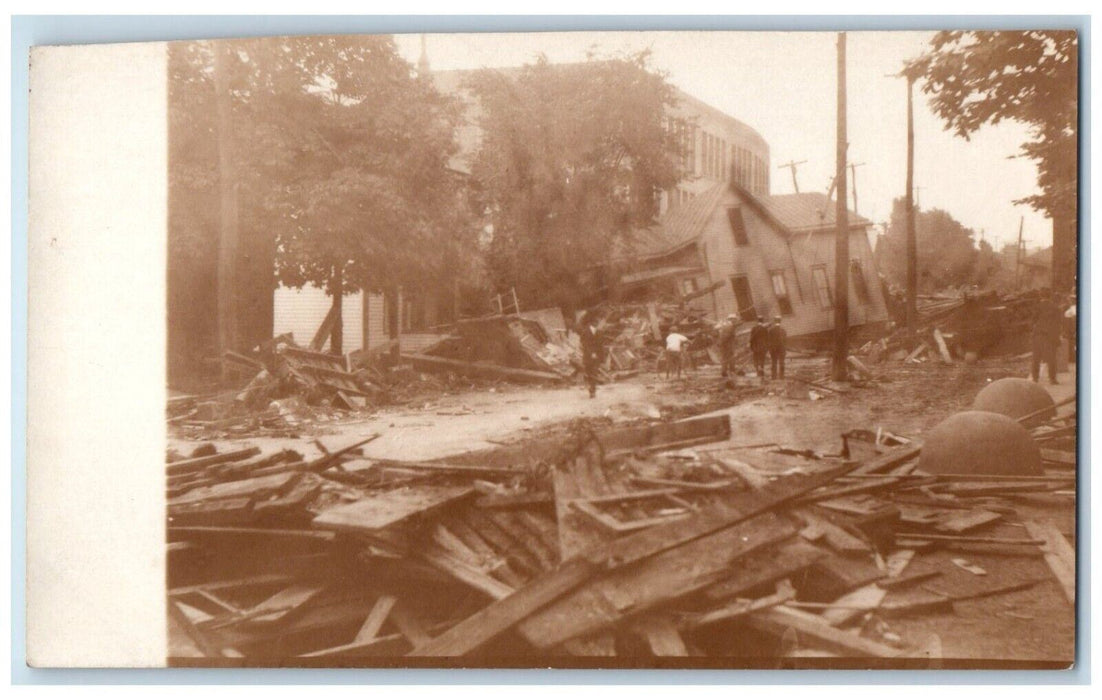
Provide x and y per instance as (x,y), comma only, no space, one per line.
(977,77)
(947,252)
(341,159)
(570,165)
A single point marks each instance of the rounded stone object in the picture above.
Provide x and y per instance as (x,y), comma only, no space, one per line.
(1016,397)
(980,442)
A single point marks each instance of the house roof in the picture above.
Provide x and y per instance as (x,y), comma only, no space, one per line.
(680,225)
(806,212)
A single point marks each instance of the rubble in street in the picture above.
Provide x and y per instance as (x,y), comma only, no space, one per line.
(655,540)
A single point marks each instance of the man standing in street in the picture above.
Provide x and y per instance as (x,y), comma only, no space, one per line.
(675,343)
(1047,322)
(726,344)
(759,346)
(777,340)
(591,351)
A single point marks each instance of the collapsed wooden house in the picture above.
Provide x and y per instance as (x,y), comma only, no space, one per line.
(729,251)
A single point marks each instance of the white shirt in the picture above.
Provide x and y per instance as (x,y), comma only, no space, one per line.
(674,341)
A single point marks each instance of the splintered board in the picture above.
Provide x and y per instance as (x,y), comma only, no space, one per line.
(695,565)
(382,510)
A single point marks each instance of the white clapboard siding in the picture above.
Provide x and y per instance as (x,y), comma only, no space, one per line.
(301,311)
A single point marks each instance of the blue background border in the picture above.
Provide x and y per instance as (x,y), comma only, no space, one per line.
(30,31)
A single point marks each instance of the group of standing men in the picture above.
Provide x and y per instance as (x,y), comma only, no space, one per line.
(765,339)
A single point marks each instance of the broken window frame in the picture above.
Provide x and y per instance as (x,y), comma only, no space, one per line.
(780,291)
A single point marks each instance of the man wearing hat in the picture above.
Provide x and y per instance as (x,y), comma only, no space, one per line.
(759,346)
(726,343)
(777,340)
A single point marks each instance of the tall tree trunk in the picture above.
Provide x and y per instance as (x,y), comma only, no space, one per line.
(841,236)
(1064,249)
(227,183)
(912,237)
(336,339)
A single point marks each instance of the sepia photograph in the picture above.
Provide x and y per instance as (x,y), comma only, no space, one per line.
(622,349)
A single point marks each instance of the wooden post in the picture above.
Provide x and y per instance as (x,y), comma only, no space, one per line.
(841,236)
(912,239)
(227,185)
(336,339)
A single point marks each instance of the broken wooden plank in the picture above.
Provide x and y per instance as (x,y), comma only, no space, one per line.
(428,363)
(867,597)
(661,635)
(485,625)
(284,602)
(778,620)
(184,466)
(740,608)
(604,601)
(383,510)
(375,619)
(257,487)
(462,571)
(765,567)
(1059,555)
(942,347)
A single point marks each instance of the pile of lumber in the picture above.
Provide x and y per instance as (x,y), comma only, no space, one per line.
(657,540)
(952,328)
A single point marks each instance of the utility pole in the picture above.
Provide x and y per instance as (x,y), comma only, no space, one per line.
(792,165)
(841,237)
(226,283)
(912,238)
(853,178)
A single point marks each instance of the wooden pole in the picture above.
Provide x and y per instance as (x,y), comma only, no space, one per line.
(841,237)
(227,185)
(912,240)
(336,338)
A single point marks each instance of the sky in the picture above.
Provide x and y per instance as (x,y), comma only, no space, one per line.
(783,84)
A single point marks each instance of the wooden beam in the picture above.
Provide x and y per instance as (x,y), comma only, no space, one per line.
(195,464)
(1059,555)
(488,623)
(375,619)
(778,620)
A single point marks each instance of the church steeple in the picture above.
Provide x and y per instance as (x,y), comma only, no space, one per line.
(423,61)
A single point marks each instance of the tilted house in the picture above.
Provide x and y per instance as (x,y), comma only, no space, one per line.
(759,255)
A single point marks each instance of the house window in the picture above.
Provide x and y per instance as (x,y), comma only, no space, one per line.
(688,286)
(822,286)
(743,298)
(738,226)
(780,290)
(860,286)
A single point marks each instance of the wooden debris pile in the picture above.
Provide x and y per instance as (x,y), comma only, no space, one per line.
(959,328)
(654,541)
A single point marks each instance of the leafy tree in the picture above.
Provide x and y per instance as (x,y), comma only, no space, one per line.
(947,254)
(341,162)
(975,78)
(571,161)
